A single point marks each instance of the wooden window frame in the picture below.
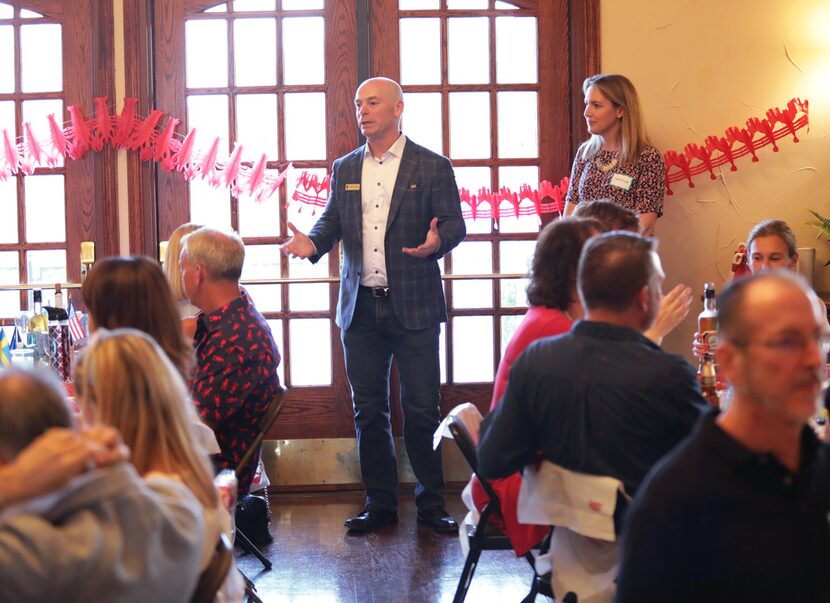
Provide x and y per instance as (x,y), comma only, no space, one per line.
(371,49)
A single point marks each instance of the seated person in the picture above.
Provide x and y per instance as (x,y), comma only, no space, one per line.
(107,535)
(554,305)
(125,380)
(236,356)
(739,511)
(674,307)
(602,399)
(131,291)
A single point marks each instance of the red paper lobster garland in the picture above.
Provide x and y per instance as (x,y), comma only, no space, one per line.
(717,151)
(126,131)
(313,191)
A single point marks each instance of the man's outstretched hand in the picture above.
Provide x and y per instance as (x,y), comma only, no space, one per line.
(430,245)
(299,245)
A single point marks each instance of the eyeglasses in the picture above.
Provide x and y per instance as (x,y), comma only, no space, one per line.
(791,345)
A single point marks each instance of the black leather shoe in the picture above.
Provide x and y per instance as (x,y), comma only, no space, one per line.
(371,519)
(438,519)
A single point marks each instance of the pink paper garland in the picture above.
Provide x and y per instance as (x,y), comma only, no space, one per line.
(148,139)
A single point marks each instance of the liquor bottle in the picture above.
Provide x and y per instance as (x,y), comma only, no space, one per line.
(707,326)
(38,322)
(58,296)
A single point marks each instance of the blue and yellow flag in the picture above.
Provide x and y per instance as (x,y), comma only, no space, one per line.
(5,354)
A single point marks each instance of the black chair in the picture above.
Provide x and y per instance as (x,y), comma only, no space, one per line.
(241,539)
(215,573)
(485,536)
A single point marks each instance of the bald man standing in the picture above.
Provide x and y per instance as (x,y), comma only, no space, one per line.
(395,207)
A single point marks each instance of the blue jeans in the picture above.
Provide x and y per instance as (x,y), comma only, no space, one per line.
(374,337)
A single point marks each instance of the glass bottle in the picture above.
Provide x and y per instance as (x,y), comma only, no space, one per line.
(707,326)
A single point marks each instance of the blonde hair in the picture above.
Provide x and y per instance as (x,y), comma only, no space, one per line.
(220,253)
(123,379)
(172,267)
(621,92)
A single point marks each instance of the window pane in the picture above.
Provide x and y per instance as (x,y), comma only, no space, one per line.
(29,14)
(303,47)
(206,51)
(423,113)
(418,4)
(7,119)
(513,177)
(47,267)
(259,218)
(9,275)
(469,125)
(472,350)
(468,50)
(6,58)
(505,5)
(276,333)
(209,115)
(518,124)
(420,51)
(36,113)
(509,324)
(302,4)
(305,126)
(302,215)
(251,5)
(40,53)
(304,298)
(310,369)
(472,258)
(8,211)
(516,50)
(219,8)
(516,257)
(263,262)
(209,206)
(45,208)
(466,4)
(256,125)
(255,52)
(473,179)
(6,11)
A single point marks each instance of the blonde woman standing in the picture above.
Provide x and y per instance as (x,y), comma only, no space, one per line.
(618,162)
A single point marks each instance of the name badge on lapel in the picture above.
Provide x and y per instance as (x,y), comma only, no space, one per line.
(622,181)
(353,187)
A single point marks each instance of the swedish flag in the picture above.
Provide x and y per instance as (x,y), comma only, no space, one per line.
(5,354)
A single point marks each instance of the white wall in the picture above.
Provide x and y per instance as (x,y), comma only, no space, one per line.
(700,67)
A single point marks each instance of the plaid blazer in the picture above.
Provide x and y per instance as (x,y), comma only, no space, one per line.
(425,188)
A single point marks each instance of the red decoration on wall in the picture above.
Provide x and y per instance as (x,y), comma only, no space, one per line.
(736,142)
(144,136)
(487,204)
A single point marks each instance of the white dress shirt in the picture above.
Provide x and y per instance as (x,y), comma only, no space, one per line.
(376,186)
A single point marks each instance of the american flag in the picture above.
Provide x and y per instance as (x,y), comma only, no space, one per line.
(76,329)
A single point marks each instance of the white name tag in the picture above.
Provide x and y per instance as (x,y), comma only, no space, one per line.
(622,181)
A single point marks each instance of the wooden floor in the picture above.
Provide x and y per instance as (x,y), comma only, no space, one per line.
(315,560)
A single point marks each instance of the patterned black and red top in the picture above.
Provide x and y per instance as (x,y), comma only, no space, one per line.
(235,378)
(641,187)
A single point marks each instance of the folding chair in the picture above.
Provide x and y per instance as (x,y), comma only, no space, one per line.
(484,536)
(215,573)
(264,425)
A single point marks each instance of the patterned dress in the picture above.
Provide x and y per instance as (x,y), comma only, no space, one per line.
(591,180)
(235,379)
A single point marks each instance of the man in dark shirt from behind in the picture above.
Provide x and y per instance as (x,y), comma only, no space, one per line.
(602,399)
(236,357)
(740,511)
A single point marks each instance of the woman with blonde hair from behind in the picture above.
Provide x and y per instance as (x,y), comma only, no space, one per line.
(123,379)
(173,268)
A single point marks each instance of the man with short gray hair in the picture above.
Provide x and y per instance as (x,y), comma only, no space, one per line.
(236,356)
